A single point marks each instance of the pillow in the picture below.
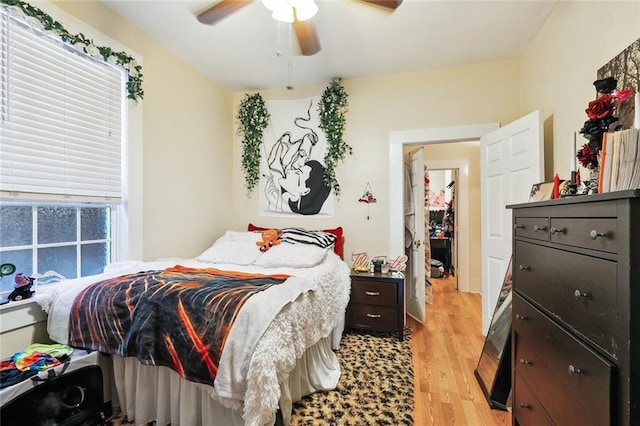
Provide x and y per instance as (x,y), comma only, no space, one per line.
(292,256)
(338,248)
(302,236)
(241,250)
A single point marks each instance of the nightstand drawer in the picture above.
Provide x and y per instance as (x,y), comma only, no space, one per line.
(374,293)
(374,317)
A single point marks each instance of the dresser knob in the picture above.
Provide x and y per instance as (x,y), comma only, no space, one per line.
(516,226)
(525,406)
(573,370)
(537,228)
(372,293)
(595,234)
(554,230)
(523,268)
(373,315)
(581,295)
(520,317)
(524,361)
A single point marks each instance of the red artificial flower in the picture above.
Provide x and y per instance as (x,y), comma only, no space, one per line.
(621,95)
(600,108)
(587,158)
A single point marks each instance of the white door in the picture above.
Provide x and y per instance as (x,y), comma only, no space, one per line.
(414,280)
(511,161)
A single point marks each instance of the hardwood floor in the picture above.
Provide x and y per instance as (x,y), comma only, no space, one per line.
(445,354)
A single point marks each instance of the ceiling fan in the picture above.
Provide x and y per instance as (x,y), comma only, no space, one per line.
(298,12)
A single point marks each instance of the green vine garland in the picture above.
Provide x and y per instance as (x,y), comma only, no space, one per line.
(82,43)
(253,117)
(332,109)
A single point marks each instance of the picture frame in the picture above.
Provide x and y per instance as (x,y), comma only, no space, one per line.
(494,365)
(541,191)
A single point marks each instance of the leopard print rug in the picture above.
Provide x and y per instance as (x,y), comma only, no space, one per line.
(375,387)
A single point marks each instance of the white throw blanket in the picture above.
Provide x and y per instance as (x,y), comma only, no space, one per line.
(268,336)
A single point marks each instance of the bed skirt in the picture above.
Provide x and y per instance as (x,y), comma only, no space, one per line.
(149,393)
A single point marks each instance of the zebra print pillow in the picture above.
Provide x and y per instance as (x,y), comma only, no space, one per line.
(303,236)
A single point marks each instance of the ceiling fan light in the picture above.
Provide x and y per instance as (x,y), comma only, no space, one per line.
(305,9)
(281,10)
(283,15)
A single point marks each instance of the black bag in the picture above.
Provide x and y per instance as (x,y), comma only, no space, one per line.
(72,399)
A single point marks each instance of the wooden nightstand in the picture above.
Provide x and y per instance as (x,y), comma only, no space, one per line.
(377,302)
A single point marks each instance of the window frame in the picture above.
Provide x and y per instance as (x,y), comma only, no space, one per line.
(127,219)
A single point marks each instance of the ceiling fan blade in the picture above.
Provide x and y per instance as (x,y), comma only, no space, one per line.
(387,4)
(307,37)
(221,10)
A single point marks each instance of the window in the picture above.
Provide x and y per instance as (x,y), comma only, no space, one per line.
(61,124)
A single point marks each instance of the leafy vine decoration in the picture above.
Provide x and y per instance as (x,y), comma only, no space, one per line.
(80,42)
(253,118)
(332,109)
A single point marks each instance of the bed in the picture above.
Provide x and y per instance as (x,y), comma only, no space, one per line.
(270,345)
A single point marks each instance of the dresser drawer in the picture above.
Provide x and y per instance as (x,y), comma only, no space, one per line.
(374,292)
(532,227)
(526,408)
(580,290)
(590,233)
(560,404)
(373,317)
(548,357)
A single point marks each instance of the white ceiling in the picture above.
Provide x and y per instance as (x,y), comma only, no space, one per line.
(357,40)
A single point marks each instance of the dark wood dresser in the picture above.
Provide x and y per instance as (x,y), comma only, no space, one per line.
(576,311)
(377,302)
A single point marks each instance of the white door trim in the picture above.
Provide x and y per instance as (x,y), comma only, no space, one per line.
(397,141)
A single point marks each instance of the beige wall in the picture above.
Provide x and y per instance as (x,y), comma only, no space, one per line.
(187,125)
(189,122)
(464,95)
(560,64)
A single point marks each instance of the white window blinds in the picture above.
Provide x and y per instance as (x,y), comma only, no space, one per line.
(60,118)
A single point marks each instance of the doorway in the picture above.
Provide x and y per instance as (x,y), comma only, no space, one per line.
(398,141)
(440,214)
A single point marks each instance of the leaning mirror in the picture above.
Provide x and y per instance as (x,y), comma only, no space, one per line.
(494,366)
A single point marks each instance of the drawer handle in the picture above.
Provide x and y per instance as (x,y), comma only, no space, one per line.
(523,268)
(581,295)
(525,406)
(573,370)
(373,315)
(595,234)
(516,226)
(537,228)
(554,230)
(520,317)
(524,361)
(372,293)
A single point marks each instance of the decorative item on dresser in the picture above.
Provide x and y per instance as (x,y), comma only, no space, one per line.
(576,324)
(377,302)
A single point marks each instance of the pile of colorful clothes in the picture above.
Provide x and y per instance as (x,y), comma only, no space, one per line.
(37,357)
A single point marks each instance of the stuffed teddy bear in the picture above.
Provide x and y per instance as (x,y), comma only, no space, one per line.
(22,287)
(269,239)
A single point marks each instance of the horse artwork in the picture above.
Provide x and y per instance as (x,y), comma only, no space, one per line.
(292,162)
